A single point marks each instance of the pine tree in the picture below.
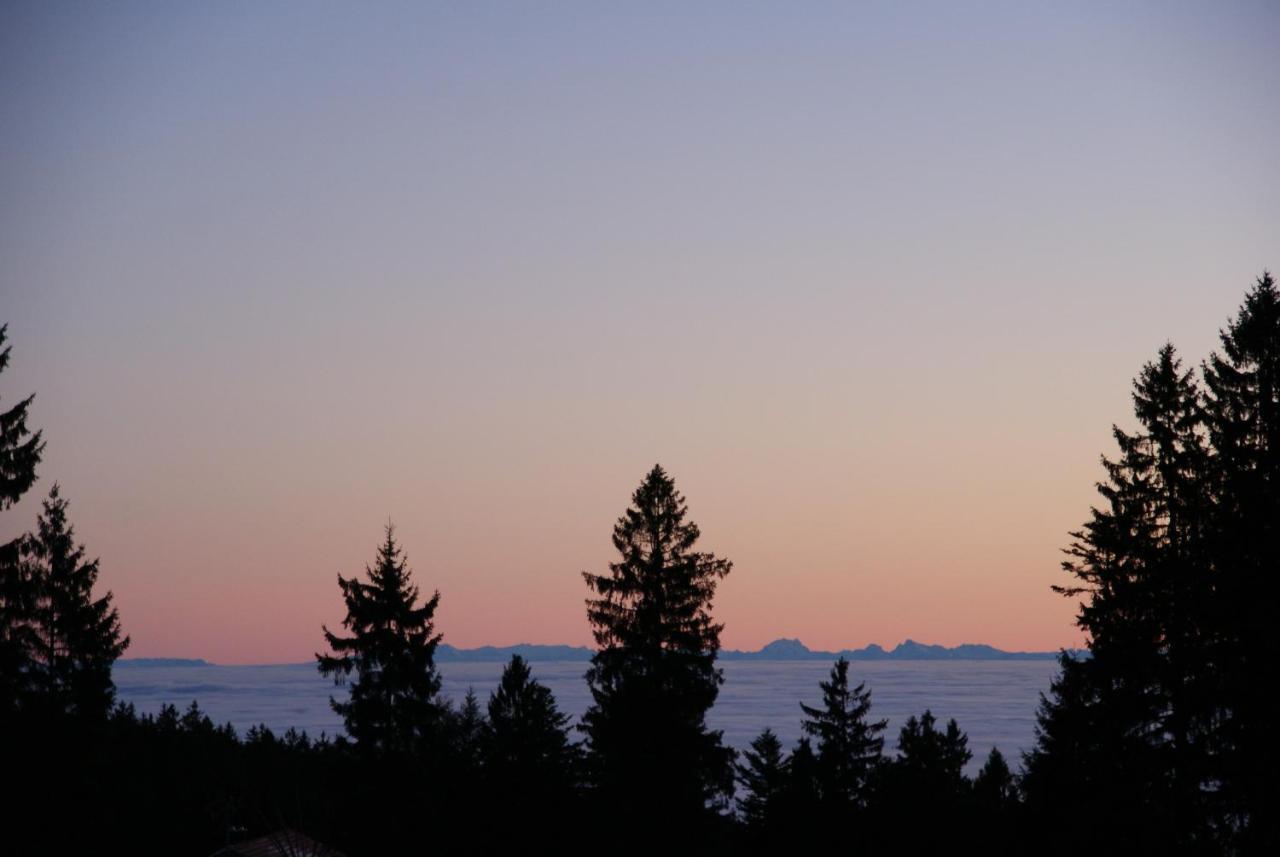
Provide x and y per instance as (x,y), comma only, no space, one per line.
(849,745)
(527,737)
(1243,418)
(469,728)
(1140,563)
(802,784)
(931,759)
(394,704)
(1074,786)
(994,816)
(530,765)
(20,448)
(795,819)
(928,771)
(994,788)
(653,677)
(763,778)
(20,453)
(76,637)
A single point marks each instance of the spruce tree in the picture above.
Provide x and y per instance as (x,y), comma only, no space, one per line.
(1075,785)
(20,453)
(849,746)
(76,637)
(928,771)
(20,448)
(394,704)
(1243,418)
(528,751)
(932,759)
(653,677)
(468,728)
(763,776)
(530,765)
(797,818)
(802,783)
(994,816)
(1140,564)
(994,788)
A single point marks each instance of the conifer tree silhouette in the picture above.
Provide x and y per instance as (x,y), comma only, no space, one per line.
(994,787)
(933,759)
(20,453)
(394,704)
(763,775)
(528,736)
(1243,418)
(20,448)
(530,765)
(76,637)
(1141,564)
(653,677)
(469,735)
(995,817)
(849,746)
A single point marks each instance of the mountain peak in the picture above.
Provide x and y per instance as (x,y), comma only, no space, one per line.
(785,646)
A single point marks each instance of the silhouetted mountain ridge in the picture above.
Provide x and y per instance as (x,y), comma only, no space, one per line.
(783,649)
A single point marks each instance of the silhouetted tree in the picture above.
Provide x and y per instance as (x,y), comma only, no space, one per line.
(994,787)
(794,819)
(469,735)
(849,745)
(394,704)
(20,448)
(995,818)
(653,677)
(76,637)
(927,772)
(931,759)
(1141,563)
(529,756)
(763,778)
(1243,419)
(529,767)
(20,452)
(1073,782)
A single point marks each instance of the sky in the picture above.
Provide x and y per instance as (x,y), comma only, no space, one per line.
(870,280)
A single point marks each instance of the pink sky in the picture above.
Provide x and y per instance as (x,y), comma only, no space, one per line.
(869,281)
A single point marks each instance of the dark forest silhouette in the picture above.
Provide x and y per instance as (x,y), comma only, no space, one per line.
(1157,741)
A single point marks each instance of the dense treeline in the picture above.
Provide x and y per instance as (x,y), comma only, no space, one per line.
(1156,742)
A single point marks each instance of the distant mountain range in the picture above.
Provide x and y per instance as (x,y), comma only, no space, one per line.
(908,650)
(778,650)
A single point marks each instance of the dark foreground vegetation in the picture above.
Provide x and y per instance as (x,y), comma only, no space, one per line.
(1159,741)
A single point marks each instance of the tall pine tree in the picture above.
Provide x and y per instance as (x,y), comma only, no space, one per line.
(529,759)
(76,637)
(653,677)
(394,704)
(994,789)
(927,772)
(763,776)
(20,448)
(1140,565)
(849,745)
(20,452)
(933,759)
(1243,417)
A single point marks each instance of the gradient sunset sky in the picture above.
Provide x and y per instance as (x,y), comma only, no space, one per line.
(869,279)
